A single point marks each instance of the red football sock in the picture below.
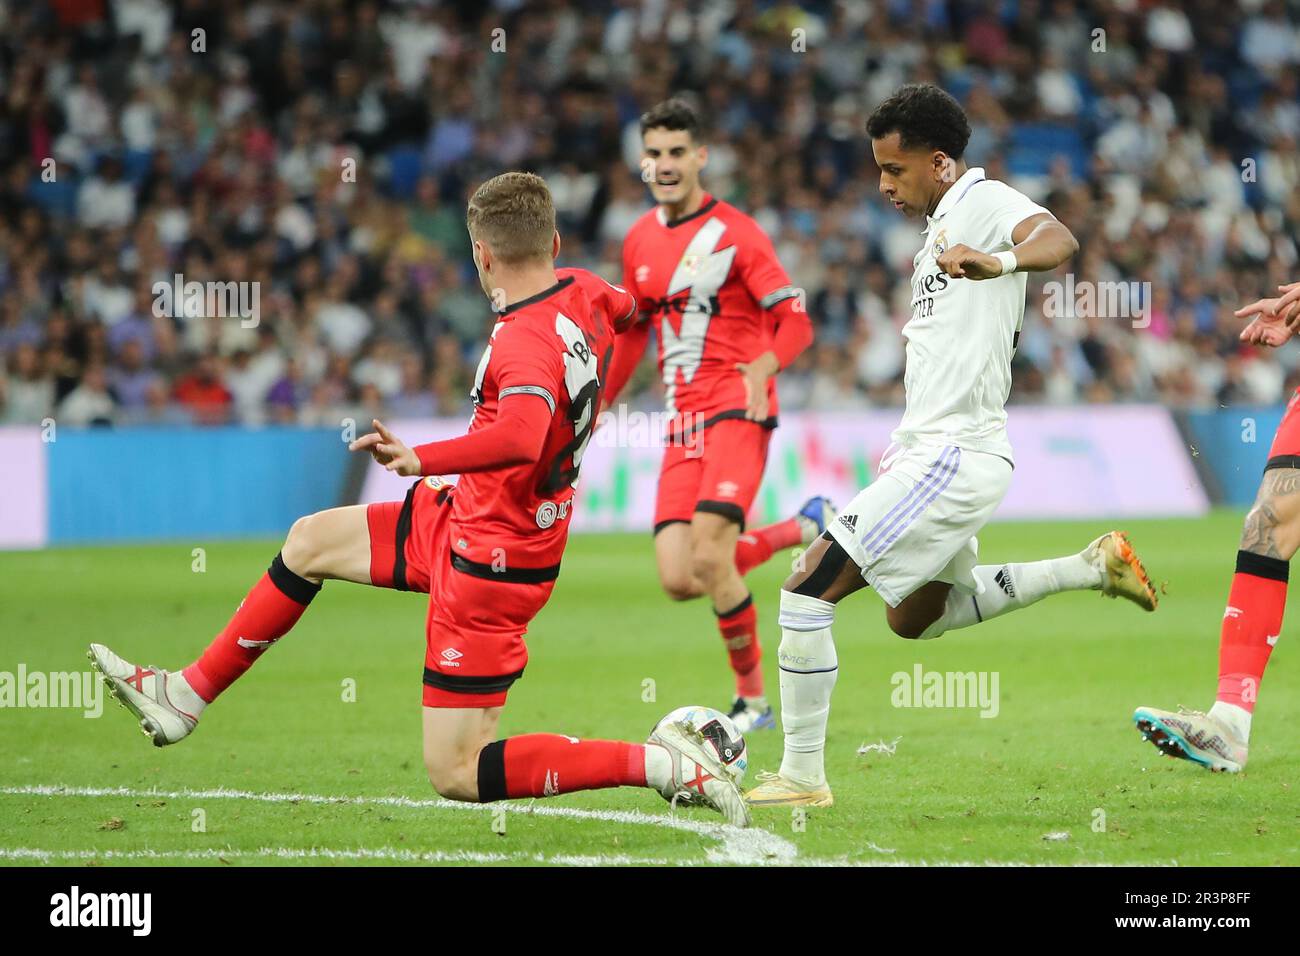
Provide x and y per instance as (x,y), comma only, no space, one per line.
(1251,625)
(755,547)
(739,629)
(543,765)
(262,618)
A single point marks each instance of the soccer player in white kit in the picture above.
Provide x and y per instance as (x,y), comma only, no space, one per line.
(910,535)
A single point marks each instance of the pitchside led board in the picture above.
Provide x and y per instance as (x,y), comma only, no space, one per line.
(24,488)
(163,484)
(1111,462)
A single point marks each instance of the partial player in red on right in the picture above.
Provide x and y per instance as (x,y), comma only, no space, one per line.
(1252,621)
(727,319)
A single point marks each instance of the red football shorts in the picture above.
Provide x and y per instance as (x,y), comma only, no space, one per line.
(1285,452)
(719,474)
(477,616)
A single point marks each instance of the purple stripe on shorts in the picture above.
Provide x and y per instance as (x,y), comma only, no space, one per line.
(905,501)
(953,465)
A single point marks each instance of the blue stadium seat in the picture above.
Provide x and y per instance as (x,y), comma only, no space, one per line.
(58,198)
(135,165)
(405,166)
(1035,145)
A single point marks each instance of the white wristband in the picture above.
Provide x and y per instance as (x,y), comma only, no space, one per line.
(1008,260)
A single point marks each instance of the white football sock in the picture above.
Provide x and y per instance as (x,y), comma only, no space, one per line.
(808,671)
(1008,587)
(182,695)
(1236,717)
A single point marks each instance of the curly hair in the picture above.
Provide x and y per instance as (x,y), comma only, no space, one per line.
(922,115)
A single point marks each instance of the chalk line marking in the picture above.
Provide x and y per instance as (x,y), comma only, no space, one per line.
(747,847)
(362,855)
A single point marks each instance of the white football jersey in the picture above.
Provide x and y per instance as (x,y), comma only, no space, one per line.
(963,332)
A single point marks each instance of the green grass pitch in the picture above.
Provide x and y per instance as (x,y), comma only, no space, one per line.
(284,769)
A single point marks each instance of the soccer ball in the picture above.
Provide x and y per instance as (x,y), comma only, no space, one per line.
(719,736)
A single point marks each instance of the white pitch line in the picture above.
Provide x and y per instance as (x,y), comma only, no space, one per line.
(741,847)
(747,847)
(392,854)
(384,854)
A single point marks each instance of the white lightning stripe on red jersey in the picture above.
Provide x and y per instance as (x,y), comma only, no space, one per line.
(703,271)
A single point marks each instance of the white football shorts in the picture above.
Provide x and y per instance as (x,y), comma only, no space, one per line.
(918,520)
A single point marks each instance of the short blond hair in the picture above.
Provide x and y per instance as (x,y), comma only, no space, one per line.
(514,216)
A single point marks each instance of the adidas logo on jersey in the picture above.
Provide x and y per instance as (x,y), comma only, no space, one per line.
(1003,579)
(849,521)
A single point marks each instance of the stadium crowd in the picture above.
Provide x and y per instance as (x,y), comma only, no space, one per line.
(323,150)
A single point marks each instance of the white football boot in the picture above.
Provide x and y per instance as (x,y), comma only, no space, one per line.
(698,776)
(1193,736)
(151,693)
(1122,574)
(751,713)
(774,790)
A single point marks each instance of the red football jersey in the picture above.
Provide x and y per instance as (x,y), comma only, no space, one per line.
(707,281)
(556,346)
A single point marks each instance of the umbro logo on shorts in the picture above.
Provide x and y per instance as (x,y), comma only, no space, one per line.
(450,656)
(849,521)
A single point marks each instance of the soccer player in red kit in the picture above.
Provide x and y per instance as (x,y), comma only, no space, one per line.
(1252,621)
(727,320)
(486,550)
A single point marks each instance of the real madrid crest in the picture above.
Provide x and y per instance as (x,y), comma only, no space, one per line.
(940,244)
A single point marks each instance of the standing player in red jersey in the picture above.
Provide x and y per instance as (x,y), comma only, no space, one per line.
(1252,621)
(727,319)
(486,550)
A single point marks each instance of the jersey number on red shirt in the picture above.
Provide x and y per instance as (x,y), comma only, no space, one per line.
(582,378)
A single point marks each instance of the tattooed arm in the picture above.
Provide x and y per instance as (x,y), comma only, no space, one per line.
(1273,524)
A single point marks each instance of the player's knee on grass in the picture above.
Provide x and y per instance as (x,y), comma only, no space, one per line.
(453,775)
